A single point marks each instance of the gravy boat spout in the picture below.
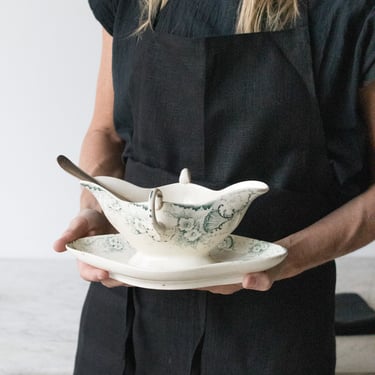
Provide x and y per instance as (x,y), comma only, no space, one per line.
(181,220)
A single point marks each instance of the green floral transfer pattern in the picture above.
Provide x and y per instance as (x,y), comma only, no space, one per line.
(186,225)
(232,248)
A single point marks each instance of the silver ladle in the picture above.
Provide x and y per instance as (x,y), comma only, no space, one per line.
(73,169)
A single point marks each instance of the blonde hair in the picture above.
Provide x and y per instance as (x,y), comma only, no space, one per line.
(252,15)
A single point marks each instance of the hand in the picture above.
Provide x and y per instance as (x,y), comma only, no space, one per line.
(89,222)
(262,281)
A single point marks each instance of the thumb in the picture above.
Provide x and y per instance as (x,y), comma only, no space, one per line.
(78,228)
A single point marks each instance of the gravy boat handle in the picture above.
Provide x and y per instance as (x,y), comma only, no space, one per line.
(155,202)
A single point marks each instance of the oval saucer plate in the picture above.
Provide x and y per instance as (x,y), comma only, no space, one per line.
(229,262)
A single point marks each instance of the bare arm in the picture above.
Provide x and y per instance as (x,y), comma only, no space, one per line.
(100,155)
(101,148)
(347,229)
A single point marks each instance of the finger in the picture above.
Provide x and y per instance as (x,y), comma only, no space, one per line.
(59,245)
(77,228)
(112,283)
(90,273)
(261,281)
(223,289)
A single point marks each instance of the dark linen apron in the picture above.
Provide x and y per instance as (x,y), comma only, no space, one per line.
(229,108)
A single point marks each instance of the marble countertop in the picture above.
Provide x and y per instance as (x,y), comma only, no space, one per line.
(40,306)
(356,354)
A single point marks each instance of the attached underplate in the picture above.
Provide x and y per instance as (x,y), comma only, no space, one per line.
(230,261)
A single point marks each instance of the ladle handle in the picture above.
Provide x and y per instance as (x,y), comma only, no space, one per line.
(68,166)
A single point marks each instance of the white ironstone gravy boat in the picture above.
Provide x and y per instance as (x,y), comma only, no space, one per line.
(179,223)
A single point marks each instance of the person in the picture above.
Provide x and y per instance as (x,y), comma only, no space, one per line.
(278,91)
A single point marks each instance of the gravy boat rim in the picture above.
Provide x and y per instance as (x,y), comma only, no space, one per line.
(176,193)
